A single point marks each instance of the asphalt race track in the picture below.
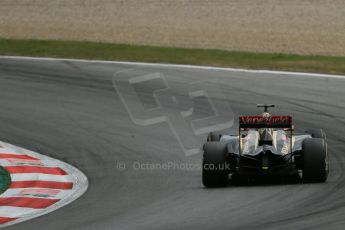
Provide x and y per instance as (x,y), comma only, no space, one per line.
(73,112)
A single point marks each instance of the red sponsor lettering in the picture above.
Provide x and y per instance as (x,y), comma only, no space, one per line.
(265,120)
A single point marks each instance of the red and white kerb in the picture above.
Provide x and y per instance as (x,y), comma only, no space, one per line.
(39,184)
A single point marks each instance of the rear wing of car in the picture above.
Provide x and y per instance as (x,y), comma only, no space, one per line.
(265,122)
(257,122)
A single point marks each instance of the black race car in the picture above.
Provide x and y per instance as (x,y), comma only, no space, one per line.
(266,145)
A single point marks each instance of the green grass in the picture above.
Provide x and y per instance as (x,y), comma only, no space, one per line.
(210,57)
(5,180)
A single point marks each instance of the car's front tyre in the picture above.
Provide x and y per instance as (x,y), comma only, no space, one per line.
(213,136)
(316,133)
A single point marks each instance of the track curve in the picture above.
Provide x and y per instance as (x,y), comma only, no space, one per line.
(71,111)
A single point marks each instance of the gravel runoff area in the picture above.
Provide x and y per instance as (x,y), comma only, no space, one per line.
(312,27)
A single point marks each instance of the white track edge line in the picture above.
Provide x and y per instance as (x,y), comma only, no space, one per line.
(300,74)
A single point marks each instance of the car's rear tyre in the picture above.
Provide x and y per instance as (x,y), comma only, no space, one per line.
(315,160)
(213,136)
(215,170)
(316,133)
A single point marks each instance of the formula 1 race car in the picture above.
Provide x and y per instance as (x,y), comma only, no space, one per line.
(265,145)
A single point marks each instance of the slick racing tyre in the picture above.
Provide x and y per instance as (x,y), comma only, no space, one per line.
(315,160)
(213,136)
(214,166)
